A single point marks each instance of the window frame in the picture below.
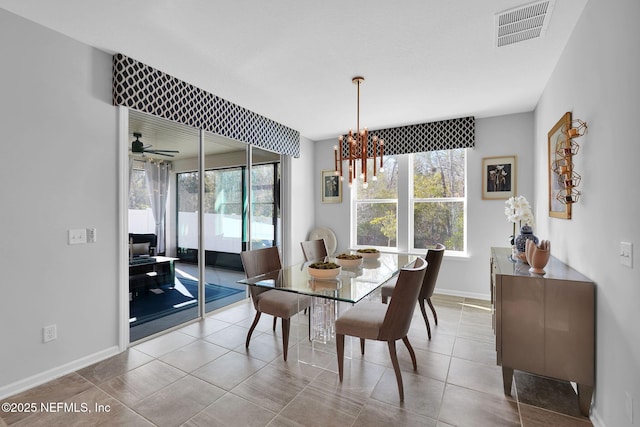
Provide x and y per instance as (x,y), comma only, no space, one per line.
(405,208)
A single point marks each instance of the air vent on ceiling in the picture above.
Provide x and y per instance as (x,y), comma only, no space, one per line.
(523,23)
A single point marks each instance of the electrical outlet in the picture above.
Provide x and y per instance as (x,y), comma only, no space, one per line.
(628,406)
(91,235)
(49,333)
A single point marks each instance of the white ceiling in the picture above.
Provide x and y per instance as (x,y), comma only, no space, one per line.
(293,60)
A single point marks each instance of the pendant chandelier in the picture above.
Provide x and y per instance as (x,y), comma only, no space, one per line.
(359,150)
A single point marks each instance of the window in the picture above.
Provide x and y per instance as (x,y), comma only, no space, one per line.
(376,208)
(225,222)
(438,199)
(410,212)
(140,215)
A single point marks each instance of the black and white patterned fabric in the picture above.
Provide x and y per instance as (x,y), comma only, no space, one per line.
(143,88)
(432,136)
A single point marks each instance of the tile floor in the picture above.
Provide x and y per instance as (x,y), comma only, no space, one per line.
(202,375)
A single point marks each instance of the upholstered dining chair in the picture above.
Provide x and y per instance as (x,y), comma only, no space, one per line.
(276,303)
(434,260)
(384,322)
(314,249)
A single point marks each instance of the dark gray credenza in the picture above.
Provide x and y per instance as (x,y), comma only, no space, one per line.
(544,324)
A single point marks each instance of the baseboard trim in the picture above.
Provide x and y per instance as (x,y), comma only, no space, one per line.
(453,293)
(58,371)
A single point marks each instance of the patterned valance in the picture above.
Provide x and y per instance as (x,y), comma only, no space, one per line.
(432,136)
(143,88)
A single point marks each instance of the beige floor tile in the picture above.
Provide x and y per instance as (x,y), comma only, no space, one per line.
(142,382)
(422,395)
(237,313)
(193,356)
(440,341)
(463,407)
(476,376)
(231,410)
(204,327)
(300,369)
(536,417)
(230,337)
(430,364)
(554,395)
(265,347)
(378,414)
(271,388)
(359,380)
(90,408)
(202,375)
(164,344)
(476,331)
(480,318)
(114,366)
(475,351)
(315,407)
(229,370)
(57,390)
(178,402)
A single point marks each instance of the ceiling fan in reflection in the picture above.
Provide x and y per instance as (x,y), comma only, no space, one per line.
(138,147)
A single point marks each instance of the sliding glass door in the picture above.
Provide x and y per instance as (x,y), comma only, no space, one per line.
(191,263)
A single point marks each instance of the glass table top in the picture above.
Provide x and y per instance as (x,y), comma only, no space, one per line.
(352,285)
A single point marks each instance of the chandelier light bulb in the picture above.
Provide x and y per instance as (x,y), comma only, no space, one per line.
(365,185)
(381,169)
(374,178)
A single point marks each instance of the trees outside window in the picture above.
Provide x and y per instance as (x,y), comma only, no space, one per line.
(433,196)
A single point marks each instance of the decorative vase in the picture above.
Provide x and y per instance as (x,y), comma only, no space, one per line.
(538,256)
(526,233)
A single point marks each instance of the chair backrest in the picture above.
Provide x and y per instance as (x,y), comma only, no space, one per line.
(257,262)
(314,249)
(403,302)
(434,260)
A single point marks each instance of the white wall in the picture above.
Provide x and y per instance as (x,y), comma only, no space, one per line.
(597,79)
(59,172)
(486,222)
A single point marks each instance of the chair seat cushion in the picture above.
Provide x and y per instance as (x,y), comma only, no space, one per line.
(363,320)
(387,288)
(282,304)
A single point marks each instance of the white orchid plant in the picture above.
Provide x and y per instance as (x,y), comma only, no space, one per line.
(518,210)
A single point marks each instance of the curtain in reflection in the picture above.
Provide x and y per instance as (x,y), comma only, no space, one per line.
(157,177)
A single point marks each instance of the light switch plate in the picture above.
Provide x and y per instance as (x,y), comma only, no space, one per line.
(626,254)
(77,236)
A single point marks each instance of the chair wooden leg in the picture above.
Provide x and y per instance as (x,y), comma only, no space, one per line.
(340,353)
(433,310)
(396,368)
(406,342)
(424,314)
(253,326)
(384,299)
(286,323)
(362,346)
(275,319)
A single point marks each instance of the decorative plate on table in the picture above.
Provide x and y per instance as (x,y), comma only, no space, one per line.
(324,270)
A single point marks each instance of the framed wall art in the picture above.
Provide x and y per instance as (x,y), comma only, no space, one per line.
(331,187)
(557,166)
(498,177)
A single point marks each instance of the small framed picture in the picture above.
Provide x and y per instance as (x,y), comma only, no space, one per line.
(498,177)
(331,187)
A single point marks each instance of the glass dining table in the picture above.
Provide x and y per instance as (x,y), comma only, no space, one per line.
(353,284)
